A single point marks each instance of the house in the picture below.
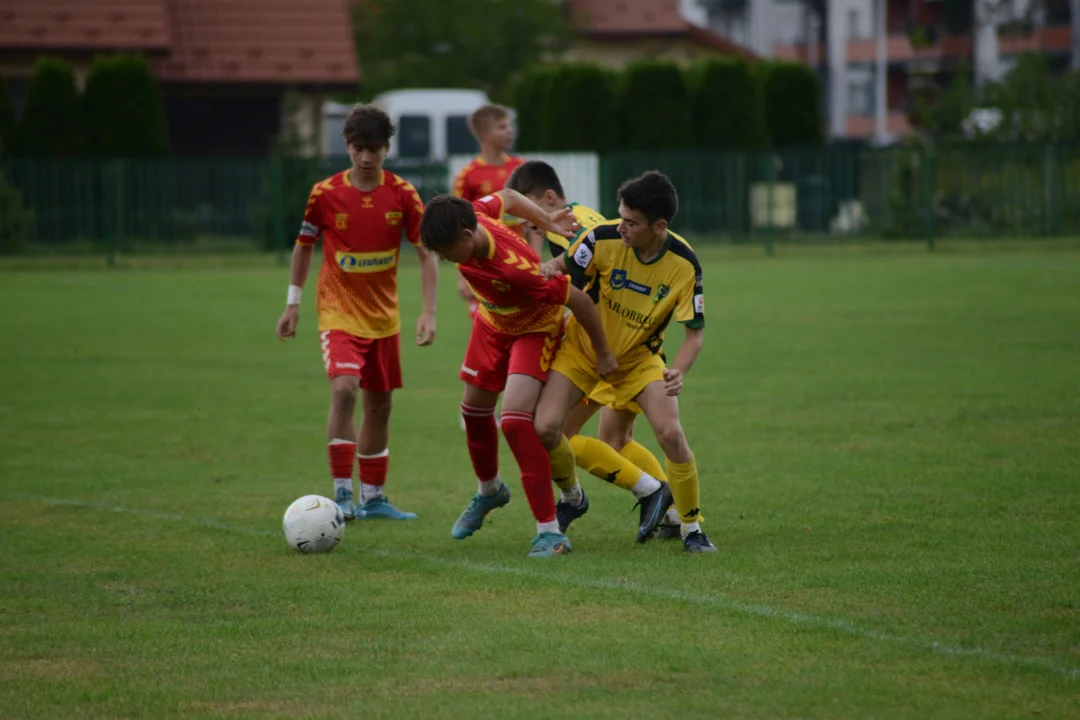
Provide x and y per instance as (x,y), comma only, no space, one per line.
(224,65)
(614,33)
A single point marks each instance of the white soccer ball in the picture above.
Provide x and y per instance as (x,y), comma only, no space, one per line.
(314,524)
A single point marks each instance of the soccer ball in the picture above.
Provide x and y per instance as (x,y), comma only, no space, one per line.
(313,524)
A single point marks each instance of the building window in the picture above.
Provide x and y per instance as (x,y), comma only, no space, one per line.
(853,24)
(414,136)
(860,98)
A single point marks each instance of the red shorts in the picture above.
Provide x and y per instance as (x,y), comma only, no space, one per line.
(493,356)
(376,362)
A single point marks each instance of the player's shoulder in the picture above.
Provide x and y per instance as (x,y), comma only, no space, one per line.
(334,183)
(606,230)
(398,183)
(586,216)
(469,169)
(682,251)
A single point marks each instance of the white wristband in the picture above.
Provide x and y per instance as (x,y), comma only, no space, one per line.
(295,291)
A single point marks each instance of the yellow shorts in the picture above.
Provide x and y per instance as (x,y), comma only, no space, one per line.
(617,391)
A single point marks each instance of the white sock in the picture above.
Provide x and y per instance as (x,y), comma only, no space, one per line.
(342,483)
(548,527)
(370,492)
(645,486)
(574,496)
(490,487)
(672,517)
(692,527)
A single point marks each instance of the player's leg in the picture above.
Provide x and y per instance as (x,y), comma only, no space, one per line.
(530,358)
(663,414)
(559,397)
(484,372)
(342,361)
(380,375)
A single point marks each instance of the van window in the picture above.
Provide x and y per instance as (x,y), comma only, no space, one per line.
(414,136)
(459,141)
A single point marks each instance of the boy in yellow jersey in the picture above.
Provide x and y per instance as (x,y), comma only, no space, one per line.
(642,276)
(615,457)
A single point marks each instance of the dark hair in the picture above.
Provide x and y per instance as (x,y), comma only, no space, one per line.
(368,128)
(535,178)
(652,195)
(444,220)
(483,117)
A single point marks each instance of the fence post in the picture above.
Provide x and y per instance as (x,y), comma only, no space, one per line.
(930,183)
(112,206)
(277,194)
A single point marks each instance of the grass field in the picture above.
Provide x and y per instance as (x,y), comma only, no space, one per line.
(890,455)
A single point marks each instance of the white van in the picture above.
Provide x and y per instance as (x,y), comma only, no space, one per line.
(431,124)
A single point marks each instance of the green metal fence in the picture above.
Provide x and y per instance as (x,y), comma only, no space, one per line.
(187,205)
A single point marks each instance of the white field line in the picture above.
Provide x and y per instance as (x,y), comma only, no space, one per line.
(720,602)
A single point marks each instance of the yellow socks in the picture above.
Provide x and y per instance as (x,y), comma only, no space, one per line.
(683,478)
(602,461)
(638,454)
(563,468)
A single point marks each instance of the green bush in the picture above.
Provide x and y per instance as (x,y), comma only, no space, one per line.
(530,100)
(580,109)
(727,106)
(16,220)
(654,108)
(792,101)
(123,109)
(52,122)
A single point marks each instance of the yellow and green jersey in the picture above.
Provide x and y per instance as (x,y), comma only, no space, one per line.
(586,218)
(637,300)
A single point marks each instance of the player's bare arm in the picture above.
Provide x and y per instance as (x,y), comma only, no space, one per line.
(429,281)
(298,272)
(684,360)
(561,222)
(584,310)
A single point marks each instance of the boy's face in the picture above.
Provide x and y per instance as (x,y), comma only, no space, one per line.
(499,134)
(460,250)
(367,161)
(635,229)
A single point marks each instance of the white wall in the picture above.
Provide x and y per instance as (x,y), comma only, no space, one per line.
(578,172)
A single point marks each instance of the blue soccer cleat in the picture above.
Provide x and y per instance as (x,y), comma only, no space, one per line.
(344,498)
(473,518)
(382,509)
(549,544)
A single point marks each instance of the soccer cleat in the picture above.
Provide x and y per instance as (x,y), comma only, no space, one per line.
(653,508)
(382,509)
(566,513)
(344,498)
(549,544)
(473,518)
(698,542)
(669,532)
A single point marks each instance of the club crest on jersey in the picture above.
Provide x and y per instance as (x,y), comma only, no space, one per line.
(367,203)
(619,281)
(661,293)
(393,219)
(341,221)
(485,187)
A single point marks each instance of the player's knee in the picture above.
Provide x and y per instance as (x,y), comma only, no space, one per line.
(379,404)
(614,438)
(672,440)
(549,431)
(343,397)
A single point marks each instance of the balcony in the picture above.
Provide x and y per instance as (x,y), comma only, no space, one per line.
(859,126)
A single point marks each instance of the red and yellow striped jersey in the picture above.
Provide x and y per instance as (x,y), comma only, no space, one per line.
(361,232)
(514,298)
(479,179)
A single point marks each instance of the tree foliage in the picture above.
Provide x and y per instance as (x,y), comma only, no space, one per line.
(454,43)
(7,118)
(580,108)
(123,109)
(727,106)
(654,108)
(52,122)
(530,100)
(792,100)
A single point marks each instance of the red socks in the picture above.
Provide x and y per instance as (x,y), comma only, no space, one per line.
(342,456)
(483,439)
(533,460)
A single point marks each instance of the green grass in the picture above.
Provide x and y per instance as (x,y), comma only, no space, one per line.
(890,456)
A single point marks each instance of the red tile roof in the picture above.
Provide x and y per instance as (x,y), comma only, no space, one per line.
(646,18)
(74,25)
(212,41)
(303,41)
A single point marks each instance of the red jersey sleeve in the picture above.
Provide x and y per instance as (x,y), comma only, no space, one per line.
(460,183)
(313,222)
(414,211)
(490,205)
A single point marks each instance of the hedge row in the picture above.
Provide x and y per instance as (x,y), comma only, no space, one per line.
(716,104)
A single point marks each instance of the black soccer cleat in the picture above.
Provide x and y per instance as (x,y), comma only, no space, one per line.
(566,513)
(668,531)
(698,542)
(653,509)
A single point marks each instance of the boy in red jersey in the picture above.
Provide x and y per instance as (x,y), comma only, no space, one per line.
(361,214)
(513,341)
